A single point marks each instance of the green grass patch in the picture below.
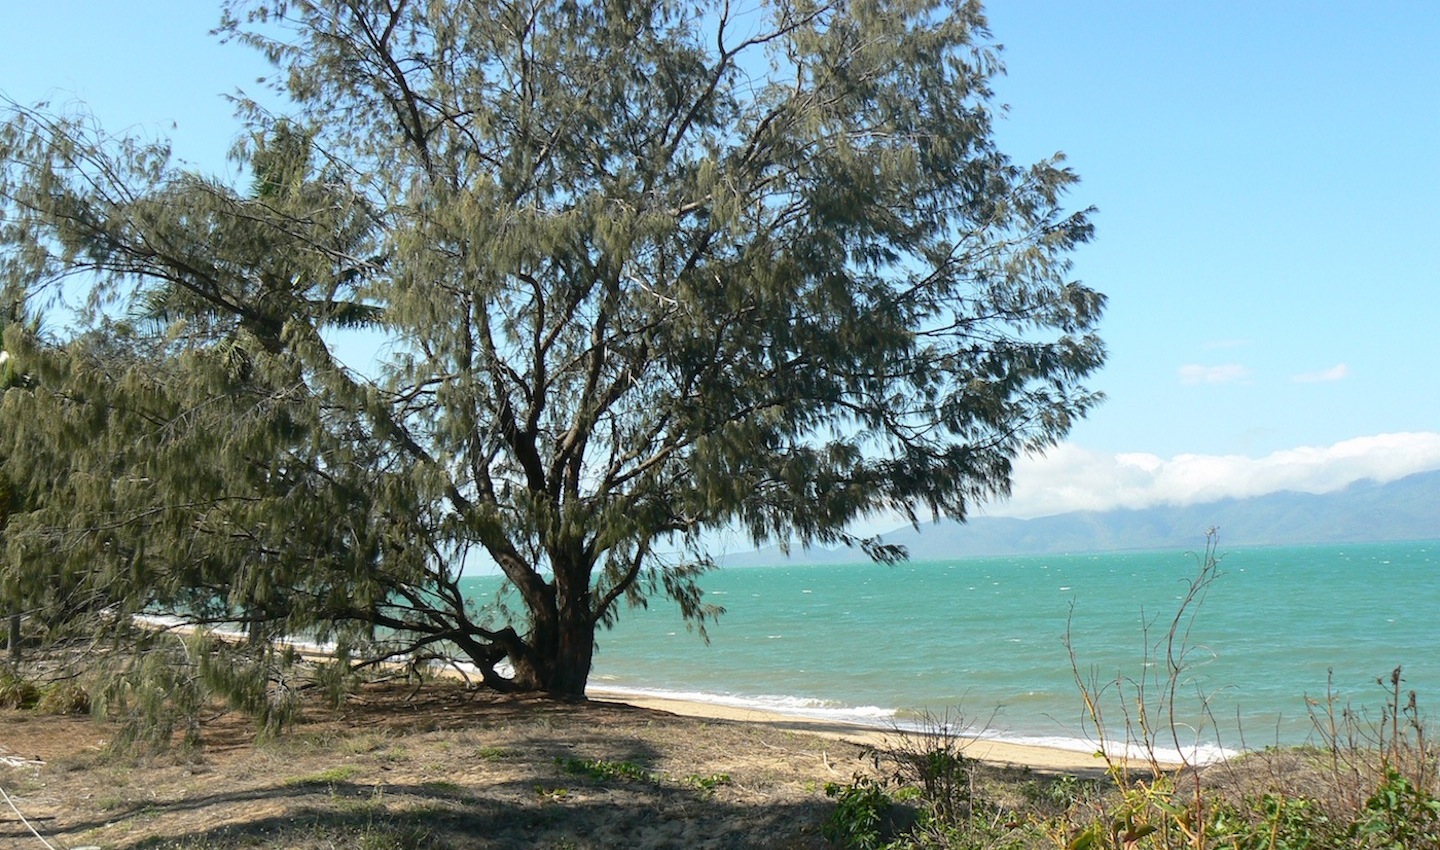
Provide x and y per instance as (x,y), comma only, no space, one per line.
(332,776)
(603,770)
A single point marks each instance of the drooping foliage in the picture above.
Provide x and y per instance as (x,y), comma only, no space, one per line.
(640,271)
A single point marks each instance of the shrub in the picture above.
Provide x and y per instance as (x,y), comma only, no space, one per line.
(1398,815)
(858,821)
(16,692)
(64,698)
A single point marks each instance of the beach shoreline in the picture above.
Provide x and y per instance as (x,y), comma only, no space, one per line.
(989,750)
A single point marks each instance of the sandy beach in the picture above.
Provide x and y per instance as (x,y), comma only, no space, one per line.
(999,753)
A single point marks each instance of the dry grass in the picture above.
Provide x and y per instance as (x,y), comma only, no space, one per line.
(445,769)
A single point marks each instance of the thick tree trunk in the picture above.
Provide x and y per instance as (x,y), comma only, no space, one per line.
(557,659)
(556,655)
(571,669)
(575,635)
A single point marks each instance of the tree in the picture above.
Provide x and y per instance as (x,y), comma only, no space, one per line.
(646,270)
(8,378)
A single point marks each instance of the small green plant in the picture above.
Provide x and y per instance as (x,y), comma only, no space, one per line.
(858,821)
(553,795)
(603,770)
(384,832)
(368,806)
(708,783)
(392,838)
(1362,754)
(1148,806)
(1140,813)
(1149,703)
(371,742)
(1062,791)
(493,753)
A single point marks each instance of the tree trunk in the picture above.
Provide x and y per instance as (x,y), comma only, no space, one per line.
(557,659)
(555,655)
(576,651)
(14,639)
(575,634)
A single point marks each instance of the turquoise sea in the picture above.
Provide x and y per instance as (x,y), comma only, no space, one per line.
(982,641)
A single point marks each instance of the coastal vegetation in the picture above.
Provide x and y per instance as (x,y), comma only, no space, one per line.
(441,764)
(452,767)
(1363,786)
(630,274)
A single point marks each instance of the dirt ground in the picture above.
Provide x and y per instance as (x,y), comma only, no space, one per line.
(442,768)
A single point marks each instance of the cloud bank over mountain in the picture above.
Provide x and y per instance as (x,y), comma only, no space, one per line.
(1072,478)
(1364,512)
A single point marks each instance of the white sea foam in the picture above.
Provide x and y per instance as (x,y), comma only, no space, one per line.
(807,707)
(1199,754)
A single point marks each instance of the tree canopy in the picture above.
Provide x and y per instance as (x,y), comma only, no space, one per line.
(642,271)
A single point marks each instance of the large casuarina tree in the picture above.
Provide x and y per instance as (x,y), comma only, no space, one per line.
(640,271)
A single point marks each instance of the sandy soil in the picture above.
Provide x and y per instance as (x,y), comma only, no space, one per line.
(446,768)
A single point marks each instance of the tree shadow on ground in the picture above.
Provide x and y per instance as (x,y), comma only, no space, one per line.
(447,768)
(510,815)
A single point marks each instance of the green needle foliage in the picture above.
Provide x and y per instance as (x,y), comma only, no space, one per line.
(641,271)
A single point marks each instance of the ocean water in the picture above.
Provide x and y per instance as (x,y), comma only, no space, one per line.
(982,642)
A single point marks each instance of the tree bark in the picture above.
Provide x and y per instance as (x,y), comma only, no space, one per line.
(557,655)
(14,639)
(563,670)
(575,653)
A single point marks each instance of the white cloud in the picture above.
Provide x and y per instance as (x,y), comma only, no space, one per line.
(1226,374)
(1072,478)
(1338,372)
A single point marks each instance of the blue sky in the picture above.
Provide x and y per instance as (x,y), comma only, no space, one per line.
(1268,183)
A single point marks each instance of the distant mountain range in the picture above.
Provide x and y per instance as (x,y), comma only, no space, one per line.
(1366,511)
